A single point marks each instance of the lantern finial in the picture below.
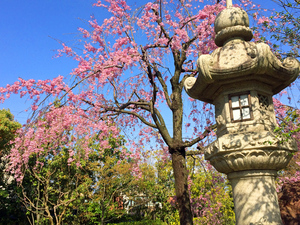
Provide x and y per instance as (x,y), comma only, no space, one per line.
(232,22)
(228,3)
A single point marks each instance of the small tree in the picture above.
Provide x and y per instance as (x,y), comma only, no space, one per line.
(113,183)
(211,195)
(158,185)
(48,191)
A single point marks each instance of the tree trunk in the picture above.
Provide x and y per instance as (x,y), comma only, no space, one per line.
(37,204)
(178,152)
(102,214)
(181,186)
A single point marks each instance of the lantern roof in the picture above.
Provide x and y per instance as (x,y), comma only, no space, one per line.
(238,60)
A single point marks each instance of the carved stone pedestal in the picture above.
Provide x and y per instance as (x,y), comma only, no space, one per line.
(255,197)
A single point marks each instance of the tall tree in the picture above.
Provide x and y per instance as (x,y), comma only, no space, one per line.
(10,209)
(131,71)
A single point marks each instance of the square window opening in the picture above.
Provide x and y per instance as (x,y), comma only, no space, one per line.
(240,107)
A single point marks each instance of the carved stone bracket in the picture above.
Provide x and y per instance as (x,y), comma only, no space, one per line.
(239,152)
(251,160)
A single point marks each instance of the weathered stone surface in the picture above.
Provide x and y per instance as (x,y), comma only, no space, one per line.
(289,202)
(239,61)
(255,197)
(232,22)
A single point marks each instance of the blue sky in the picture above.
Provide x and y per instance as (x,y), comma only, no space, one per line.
(30,35)
(30,31)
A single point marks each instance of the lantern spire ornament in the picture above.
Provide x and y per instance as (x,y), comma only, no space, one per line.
(240,78)
(228,3)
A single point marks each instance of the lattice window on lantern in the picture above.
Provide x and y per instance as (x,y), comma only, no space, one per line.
(263,102)
(240,107)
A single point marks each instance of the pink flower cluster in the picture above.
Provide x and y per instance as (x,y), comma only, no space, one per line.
(58,128)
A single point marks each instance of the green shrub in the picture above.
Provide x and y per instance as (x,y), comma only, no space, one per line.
(142,222)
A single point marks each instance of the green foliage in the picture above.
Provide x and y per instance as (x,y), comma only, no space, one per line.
(49,190)
(8,129)
(57,190)
(289,127)
(289,124)
(11,211)
(158,183)
(142,222)
(110,182)
(286,27)
(166,193)
(211,195)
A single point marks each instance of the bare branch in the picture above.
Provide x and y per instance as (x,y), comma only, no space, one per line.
(142,119)
(159,22)
(158,119)
(190,20)
(164,86)
(286,6)
(88,76)
(115,91)
(187,11)
(192,153)
(204,135)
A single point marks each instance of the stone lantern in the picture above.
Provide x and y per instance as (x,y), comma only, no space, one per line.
(240,78)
